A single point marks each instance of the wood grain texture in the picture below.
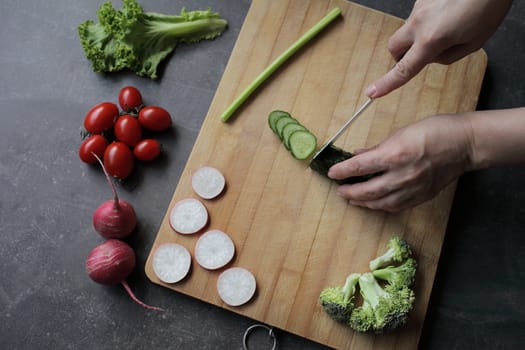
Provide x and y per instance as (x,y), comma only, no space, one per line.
(289,227)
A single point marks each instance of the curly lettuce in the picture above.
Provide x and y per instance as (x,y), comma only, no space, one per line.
(130,38)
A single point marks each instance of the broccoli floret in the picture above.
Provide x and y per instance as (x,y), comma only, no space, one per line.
(338,302)
(130,38)
(383,309)
(398,251)
(399,277)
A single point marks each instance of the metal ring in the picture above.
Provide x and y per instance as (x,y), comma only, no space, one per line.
(251,328)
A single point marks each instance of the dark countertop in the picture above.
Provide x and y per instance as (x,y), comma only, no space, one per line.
(47,196)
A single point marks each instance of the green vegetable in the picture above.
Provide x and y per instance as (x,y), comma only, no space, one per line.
(338,302)
(398,251)
(300,141)
(282,122)
(274,116)
(332,155)
(383,309)
(132,39)
(387,296)
(268,71)
(302,144)
(400,276)
(288,130)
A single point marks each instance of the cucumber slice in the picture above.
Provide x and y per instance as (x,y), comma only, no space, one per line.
(288,130)
(274,116)
(282,122)
(302,144)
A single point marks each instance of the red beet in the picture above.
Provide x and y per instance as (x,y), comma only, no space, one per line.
(111,263)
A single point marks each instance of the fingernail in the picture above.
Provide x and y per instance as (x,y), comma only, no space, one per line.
(371,90)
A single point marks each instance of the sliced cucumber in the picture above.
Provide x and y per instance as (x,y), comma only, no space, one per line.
(274,117)
(302,144)
(295,137)
(282,122)
(288,130)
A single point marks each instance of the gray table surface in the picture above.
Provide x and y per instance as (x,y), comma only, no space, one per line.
(47,197)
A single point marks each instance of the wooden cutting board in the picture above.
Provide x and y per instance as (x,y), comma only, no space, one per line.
(289,227)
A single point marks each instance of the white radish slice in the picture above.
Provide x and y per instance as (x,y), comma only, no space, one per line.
(171,262)
(214,249)
(236,286)
(208,182)
(188,216)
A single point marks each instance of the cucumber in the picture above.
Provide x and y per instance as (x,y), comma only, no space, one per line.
(295,137)
(332,155)
(302,144)
(282,122)
(274,117)
(288,130)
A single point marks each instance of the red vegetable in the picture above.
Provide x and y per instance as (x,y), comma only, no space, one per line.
(118,160)
(129,98)
(128,130)
(154,118)
(111,263)
(101,117)
(114,218)
(147,149)
(94,144)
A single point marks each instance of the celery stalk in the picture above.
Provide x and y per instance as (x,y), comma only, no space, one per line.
(268,71)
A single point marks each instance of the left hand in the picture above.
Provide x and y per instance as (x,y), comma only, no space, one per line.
(416,162)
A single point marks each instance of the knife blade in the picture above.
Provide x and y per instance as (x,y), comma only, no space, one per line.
(339,132)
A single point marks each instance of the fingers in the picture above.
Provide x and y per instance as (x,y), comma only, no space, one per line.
(377,196)
(400,42)
(370,190)
(364,163)
(392,203)
(412,63)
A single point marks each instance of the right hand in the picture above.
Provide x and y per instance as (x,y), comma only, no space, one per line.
(440,31)
(415,163)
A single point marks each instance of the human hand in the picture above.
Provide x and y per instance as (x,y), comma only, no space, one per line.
(415,163)
(440,31)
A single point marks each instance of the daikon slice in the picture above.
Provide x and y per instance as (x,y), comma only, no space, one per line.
(214,249)
(236,286)
(208,182)
(188,216)
(171,262)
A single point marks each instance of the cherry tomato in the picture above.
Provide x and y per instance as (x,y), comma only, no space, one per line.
(100,117)
(118,160)
(93,144)
(129,98)
(147,149)
(128,130)
(154,118)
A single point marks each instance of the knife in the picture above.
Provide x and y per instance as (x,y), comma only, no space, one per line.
(339,132)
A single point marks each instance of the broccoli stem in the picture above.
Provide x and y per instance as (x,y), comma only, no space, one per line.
(398,251)
(266,73)
(349,286)
(383,259)
(371,290)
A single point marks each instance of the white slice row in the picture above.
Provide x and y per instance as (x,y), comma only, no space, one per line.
(172,262)
(213,250)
